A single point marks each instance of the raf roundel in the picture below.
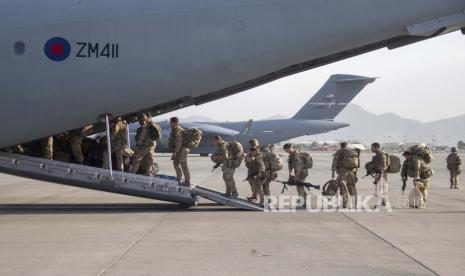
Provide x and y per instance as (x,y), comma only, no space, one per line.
(57,49)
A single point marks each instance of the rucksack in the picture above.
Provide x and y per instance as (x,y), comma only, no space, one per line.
(423,152)
(308,160)
(237,153)
(273,162)
(330,188)
(192,138)
(155,132)
(426,172)
(369,168)
(350,159)
(394,163)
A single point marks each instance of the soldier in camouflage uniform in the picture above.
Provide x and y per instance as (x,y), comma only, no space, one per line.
(380,166)
(46,148)
(297,170)
(145,147)
(76,137)
(256,174)
(119,142)
(453,165)
(416,168)
(223,157)
(180,152)
(345,176)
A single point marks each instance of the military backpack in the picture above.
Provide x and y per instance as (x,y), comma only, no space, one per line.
(423,152)
(369,168)
(308,160)
(350,159)
(272,161)
(192,138)
(330,188)
(155,132)
(394,164)
(237,153)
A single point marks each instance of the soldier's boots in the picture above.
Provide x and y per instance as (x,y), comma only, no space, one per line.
(235,194)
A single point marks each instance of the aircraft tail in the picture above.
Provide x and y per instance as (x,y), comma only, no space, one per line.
(333,97)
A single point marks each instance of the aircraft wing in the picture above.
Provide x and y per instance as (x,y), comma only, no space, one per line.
(212,129)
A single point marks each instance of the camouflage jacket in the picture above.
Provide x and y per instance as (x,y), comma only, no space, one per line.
(255,165)
(380,162)
(176,139)
(143,136)
(296,164)
(118,134)
(453,161)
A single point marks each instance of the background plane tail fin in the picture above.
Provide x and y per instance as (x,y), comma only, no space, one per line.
(333,97)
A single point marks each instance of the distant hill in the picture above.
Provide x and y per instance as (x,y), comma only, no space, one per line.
(389,127)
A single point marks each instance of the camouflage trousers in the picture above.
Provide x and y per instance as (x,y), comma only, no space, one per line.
(257,190)
(301,178)
(346,180)
(424,188)
(118,151)
(180,165)
(454,179)
(143,159)
(75,141)
(228,177)
(46,148)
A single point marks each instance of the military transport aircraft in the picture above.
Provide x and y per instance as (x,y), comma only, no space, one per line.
(315,117)
(66,64)
(74,61)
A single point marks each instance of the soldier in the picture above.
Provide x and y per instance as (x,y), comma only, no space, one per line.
(453,165)
(180,151)
(256,174)
(345,164)
(119,142)
(146,141)
(380,166)
(416,168)
(76,137)
(223,156)
(297,169)
(46,148)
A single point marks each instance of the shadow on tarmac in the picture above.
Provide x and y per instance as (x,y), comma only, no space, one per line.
(105,208)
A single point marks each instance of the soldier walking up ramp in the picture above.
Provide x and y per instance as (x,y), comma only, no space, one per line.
(160,188)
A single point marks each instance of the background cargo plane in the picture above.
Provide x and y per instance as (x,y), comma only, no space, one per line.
(315,117)
(75,61)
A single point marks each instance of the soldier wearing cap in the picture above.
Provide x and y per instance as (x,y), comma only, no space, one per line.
(256,174)
(416,168)
(454,162)
(146,141)
(297,170)
(180,152)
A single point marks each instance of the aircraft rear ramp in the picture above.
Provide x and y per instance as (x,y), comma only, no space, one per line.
(160,188)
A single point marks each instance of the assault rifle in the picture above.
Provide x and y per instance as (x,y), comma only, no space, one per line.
(217,165)
(404,184)
(294,183)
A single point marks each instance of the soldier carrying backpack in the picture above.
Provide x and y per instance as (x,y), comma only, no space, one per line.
(299,164)
(346,161)
(273,164)
(228,156)
(380,166)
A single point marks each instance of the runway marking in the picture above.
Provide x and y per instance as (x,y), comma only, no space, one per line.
(132,245)
(392,245)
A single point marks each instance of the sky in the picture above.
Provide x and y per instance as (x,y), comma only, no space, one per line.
(424,81)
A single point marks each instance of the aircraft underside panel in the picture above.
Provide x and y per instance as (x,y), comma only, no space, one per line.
(158,188)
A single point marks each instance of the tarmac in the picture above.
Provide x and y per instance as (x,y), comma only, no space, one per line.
(49,229)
